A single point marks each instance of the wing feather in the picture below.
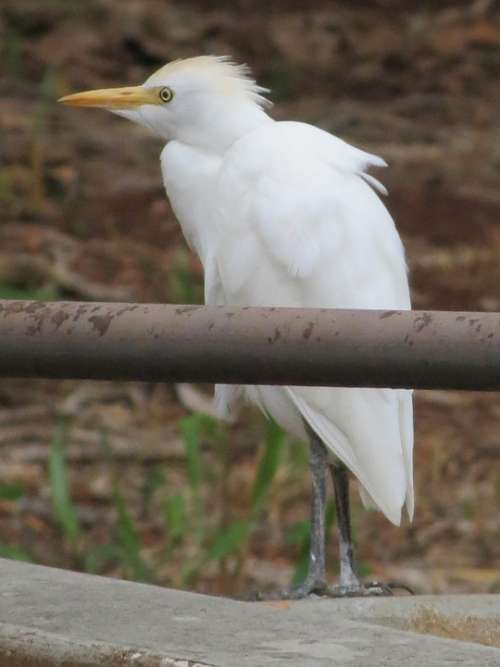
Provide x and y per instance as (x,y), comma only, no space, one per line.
(301,226)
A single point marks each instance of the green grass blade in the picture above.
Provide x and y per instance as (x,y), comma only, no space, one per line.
(11,491)
(191,431)
(63,508)
(45,101)
(105,446)
(127,534)
(268,465)
(126,548)
(175,513)
(330,515)
(183,285)
(14,553)
(46,293)
(129,539)
(299,534)
(153,481)
(99,557)
(301,566)
(229,541)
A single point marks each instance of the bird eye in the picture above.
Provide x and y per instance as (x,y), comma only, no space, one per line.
(166,94)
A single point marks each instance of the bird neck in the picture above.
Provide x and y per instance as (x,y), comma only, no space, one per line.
(220,124)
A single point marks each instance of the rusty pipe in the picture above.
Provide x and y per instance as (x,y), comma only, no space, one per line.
(172,343)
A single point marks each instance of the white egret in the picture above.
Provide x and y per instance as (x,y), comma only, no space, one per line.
(285,214)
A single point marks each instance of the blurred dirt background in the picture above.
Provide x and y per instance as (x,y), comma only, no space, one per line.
(93,475)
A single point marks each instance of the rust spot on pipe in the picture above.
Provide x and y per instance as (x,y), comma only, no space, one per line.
(34,307)
(277,336)
(128,309)
(35,329)
(59,317)
(11,308)
(101,322)
(308,330)
(81,310)
(185,309)
(422,321)
(388,313)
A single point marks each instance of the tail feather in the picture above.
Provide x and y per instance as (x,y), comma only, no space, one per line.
(364,429)
(406,429)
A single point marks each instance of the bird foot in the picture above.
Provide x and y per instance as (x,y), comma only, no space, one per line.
(309,588)
(312,588)
(368,589)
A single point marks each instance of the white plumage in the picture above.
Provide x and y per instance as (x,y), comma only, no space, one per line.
(287,217)
(283,214)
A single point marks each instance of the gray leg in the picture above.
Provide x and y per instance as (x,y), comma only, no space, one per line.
(316,577)
(349,583)
(348,579)
(315,581)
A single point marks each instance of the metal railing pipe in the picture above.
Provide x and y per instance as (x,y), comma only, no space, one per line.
(172,343)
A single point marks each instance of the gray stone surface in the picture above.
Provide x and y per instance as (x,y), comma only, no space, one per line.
(53,617)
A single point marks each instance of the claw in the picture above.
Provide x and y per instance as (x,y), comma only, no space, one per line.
(312,589)
(393,586)
(307,589)
(369,589)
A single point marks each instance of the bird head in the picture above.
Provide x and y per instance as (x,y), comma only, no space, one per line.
(207,100)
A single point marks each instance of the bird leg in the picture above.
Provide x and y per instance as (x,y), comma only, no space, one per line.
(349,584)
(348,580)
(316,577)
(315,582)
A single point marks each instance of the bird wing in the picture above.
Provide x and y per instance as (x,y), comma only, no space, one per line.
(300,225)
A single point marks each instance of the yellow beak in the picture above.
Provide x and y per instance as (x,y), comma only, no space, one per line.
(113,98)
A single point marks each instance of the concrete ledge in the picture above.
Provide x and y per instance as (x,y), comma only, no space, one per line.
(51,617)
